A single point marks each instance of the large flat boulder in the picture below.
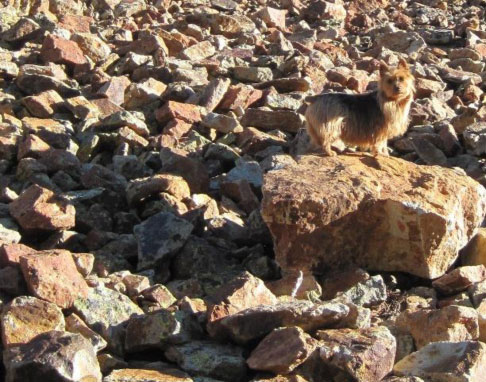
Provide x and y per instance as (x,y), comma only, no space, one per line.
(383,214)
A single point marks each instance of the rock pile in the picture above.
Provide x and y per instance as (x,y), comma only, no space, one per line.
(159,222)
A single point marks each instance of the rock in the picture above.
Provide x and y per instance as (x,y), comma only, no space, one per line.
(289,216)
(222,123)
(9,231)
(364,355)
(122,119)
(253,323)
(252,74)
(141,375)
(244,291)
(273,17)
(209,359)
(282,351)
(45,104)
(92,46)
(214,92)
(246,170)
(106,311)
(451,323)
(366,293)
(321,10)
(460,279)
(240,96)
(26,317)
(429,153)
(285,120)
(61,51)
(114,89)
(425,88)
(401,41)
(143,93)
(444,361)
(160,329)
(142,188)
(53,276)
(474,253)
(175,110)
(178,162)
(54,356)
(198,51)
(474,138)
(10,253)
(74,324)
(159,237)
(231,25)
(38,208)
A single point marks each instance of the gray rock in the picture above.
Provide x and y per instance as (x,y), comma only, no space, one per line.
(222,123)
(160,329)
(252,74)
(366,293)
(159,237)
(209,359)
(248,170)
(256,322)
(106,311)
(54,356)
(9,231)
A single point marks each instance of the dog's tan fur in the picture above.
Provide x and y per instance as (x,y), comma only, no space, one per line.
(364,120)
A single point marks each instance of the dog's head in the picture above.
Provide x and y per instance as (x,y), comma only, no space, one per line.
(396,83)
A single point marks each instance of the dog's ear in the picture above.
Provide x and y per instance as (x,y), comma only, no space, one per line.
(402,64)
(384,68)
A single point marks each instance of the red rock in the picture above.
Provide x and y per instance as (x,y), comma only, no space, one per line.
(10,254)
(114,89)
(245,291)
(481,49)
(176,110)
(45,104)
(252,140)
(309,240)
(125,134)
(322,10)
(240,96)
(53,276)
(451,323)
(32,147)
(38,208)
(273,17)
(61,51)
(179,162)
(106,107)
(365,355)
(177,128)
(460,279)
(76,23)
(282,351)
(296,284)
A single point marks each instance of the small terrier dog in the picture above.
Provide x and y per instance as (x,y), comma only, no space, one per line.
(364,120)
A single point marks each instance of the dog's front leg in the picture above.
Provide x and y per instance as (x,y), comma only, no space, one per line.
(380,148)
(384,148)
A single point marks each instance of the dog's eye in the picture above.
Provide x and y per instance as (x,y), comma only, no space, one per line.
(390,81)
(400,79)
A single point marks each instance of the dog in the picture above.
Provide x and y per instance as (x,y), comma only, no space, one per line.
(366,120)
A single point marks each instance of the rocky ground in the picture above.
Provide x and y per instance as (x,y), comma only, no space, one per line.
(159,220)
